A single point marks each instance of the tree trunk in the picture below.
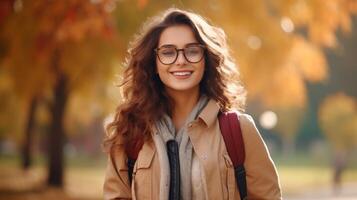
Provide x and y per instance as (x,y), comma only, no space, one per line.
(339,165)
(28,142)
(57,135)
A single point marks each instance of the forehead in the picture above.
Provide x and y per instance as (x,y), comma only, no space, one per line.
(178,35)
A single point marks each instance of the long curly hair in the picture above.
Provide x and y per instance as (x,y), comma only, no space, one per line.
(144,99)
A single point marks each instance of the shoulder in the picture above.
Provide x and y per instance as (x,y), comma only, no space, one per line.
(250,132)
(246,121)
(248,128)
(262,178)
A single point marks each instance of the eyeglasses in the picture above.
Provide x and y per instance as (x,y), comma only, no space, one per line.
(168,54)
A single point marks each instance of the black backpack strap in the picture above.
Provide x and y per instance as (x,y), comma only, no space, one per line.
(240,175)
(174,161)
(132,150)
(232,135)
(130,164)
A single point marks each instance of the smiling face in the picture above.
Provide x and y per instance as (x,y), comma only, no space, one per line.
(181,75)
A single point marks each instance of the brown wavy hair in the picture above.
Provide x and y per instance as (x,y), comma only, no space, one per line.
(143,93)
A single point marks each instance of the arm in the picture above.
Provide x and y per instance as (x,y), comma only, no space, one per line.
(116,182)
(262,177)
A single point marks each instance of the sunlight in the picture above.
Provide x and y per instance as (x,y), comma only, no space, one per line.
(287,25)
(254,42)
(268,119)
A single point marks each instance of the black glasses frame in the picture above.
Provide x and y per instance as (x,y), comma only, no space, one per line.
(183,52)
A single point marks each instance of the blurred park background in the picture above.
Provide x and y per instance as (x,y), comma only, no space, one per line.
(61,61)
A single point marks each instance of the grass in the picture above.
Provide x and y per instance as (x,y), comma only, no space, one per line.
(301,173)
(296,180)
(84,178)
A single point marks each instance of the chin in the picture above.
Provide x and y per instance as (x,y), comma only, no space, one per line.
(181,88)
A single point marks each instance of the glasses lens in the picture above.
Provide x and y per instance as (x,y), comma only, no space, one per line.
(194,53)
(167,55)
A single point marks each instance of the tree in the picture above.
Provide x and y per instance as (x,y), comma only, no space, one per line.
(338,120)
(279,46)
(71,46)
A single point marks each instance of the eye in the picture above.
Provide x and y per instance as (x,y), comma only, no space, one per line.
(193,50)
(167,52)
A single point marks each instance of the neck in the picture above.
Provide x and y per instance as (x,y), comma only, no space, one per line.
(184,102)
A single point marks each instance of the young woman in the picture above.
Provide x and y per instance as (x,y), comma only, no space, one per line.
(179,77)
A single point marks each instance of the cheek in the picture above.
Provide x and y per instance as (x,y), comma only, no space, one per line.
(159,67)
(202,69)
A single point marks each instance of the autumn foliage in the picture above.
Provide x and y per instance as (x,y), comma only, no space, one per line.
(60,58)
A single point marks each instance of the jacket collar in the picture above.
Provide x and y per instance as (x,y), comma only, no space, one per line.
(209,113)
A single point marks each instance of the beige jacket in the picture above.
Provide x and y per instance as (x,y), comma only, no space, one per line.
(209,146)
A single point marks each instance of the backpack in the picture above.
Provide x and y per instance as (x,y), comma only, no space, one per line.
(232,135)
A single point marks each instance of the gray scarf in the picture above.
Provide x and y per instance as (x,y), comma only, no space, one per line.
(166,131)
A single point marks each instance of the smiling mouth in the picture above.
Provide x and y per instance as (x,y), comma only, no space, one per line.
(183,73)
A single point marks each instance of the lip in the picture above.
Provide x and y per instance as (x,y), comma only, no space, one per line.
(182,70)
(181,74)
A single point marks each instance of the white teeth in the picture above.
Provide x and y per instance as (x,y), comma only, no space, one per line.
(181,73)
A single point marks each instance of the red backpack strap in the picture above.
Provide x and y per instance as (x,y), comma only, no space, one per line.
(132,151)
(232,135)
(133,147)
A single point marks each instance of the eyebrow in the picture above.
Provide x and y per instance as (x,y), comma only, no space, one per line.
(186,45)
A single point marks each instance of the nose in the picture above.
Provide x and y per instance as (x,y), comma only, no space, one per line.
(181,60)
